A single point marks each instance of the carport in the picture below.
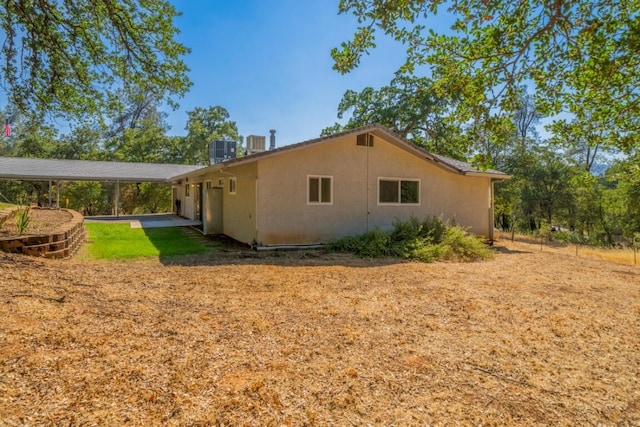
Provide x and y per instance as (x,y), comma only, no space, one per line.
(55,170)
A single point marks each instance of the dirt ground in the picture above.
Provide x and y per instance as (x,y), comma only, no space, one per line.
(305,338)
(41,221)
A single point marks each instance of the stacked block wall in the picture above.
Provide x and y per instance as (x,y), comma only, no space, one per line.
(61,243)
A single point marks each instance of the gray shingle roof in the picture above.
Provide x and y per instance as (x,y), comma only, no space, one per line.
(464,167)
(453,165)
(88,170)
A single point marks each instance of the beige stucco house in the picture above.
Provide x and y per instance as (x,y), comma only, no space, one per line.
(326,188)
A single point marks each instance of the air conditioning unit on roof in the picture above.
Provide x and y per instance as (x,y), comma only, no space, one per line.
(219,151)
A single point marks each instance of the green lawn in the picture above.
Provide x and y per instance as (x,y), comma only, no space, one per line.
(120,241)
(5,205)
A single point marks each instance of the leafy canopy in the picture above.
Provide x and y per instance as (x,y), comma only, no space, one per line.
(205,125)
(410,107)
(582,55)
(70,57)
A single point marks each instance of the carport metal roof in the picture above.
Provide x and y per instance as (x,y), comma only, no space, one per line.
(29,169)
(88,170)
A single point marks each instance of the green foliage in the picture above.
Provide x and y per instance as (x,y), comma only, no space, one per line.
(581,56)
(22,216)
(203,126)
(544,231)
(458,245)
(372,244)
(426,241)
(409,106)
(539,190)
(564,236)
(120,241)
(626,201)
(71,57)
(424,251)
(88,198)
(549,188)
(152,198)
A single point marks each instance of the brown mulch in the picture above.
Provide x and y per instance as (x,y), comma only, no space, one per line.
(42,220)
(305,338)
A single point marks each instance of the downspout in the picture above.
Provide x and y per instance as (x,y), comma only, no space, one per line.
(367,184)
(491,210)
(255,212)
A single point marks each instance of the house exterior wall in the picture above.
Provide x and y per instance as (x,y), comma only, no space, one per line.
(239,209)
(463,199)
(286,217)
(212,198)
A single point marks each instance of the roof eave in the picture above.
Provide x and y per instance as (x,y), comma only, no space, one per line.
(500,176)
(197,172)
(84,178)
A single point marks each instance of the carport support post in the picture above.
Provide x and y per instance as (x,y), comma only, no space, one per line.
(50,194)
(117,198)
(58,194)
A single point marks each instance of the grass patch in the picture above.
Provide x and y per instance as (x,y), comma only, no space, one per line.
(426,241)
(6,205)
(120,241)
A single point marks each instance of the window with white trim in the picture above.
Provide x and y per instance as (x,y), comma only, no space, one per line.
(395,191)
(232,185)
(319,190)
(208,185)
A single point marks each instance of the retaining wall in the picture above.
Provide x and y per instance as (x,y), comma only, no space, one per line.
(61,243)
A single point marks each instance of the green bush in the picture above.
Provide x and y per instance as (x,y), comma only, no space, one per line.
(458,245)
(435,228)
(423,250)
(22,216)
(561,236)
(426,241)
(371,244)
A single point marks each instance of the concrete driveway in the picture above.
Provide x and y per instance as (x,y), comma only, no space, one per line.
(146,221)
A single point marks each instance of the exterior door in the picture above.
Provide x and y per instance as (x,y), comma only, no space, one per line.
(213,211)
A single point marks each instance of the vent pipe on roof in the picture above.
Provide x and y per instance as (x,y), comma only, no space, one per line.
(272,139)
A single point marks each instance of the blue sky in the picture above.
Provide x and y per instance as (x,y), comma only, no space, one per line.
(268,63)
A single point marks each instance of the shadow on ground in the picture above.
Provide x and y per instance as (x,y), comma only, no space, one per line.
(223,250)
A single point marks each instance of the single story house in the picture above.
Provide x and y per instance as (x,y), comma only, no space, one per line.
(334,186)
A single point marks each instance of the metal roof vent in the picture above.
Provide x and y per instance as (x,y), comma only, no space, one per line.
(272,139)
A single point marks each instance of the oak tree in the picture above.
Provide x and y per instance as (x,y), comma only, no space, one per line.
(577,53)
(73,57)
(410,107)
